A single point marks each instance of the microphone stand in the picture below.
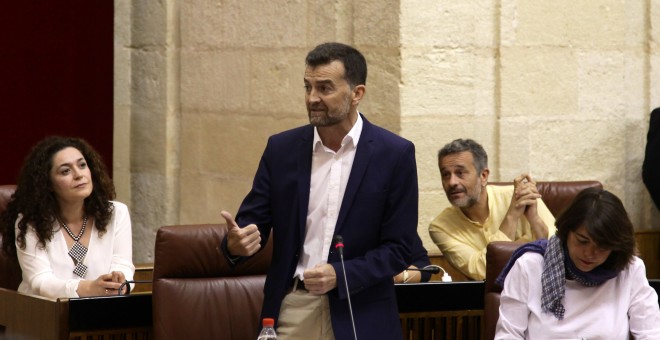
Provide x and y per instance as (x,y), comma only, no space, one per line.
(340,247)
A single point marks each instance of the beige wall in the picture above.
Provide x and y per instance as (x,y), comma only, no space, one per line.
(561,89)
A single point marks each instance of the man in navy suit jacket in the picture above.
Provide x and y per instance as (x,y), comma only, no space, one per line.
(340,175)
(651,165)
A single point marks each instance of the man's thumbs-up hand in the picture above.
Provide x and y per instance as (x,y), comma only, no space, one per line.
(241,241)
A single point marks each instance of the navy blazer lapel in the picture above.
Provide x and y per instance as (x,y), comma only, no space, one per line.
(304,176)
(360,164)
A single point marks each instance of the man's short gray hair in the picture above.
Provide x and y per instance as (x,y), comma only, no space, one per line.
(461,145)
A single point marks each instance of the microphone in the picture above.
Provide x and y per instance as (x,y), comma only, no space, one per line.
(339,245)
(431,270)
(128,286)
(434,269)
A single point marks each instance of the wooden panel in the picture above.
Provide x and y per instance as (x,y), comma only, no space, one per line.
(461,324)
(124,334)
(26,316)
(33,316)
(464,324)
(143,272)
(441,310)
(648,244)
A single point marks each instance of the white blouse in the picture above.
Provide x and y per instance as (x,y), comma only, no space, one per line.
(615,309)
(49,271)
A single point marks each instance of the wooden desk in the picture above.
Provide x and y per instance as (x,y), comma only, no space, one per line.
(32,316)
(441,310)
(143,272)
(35,317)
(447,310)
(434,310)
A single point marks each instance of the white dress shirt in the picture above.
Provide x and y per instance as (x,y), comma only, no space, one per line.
(330,172)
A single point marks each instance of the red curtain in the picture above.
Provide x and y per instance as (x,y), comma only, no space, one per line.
(56,76)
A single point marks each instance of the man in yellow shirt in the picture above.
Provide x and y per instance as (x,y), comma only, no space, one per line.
(482,213)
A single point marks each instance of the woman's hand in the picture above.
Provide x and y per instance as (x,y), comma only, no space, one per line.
(104,285)
(119,277)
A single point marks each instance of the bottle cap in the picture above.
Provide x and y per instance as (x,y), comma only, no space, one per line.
(268,322)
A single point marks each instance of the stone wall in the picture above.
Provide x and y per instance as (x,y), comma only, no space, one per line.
(560,89)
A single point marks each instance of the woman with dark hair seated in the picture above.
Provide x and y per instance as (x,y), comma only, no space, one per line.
(583,283)
(71,239)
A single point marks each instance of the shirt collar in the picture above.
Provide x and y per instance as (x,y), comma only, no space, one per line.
(352,136)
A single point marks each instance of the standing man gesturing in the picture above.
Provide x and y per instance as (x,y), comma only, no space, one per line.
(339,175)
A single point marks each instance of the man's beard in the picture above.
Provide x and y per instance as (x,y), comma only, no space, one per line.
(330,117)
(470,199)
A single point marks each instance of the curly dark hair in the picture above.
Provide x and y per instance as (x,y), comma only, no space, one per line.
(35,198)
(606,221)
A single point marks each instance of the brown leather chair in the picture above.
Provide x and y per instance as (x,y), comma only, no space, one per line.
(10,270)
(557,196)
(196,294)
(497,255)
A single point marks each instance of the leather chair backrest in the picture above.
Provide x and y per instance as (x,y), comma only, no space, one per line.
(10,270)
(196,294)
(497,256)
(557,196)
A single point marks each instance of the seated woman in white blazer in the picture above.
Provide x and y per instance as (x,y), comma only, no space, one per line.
(71,239)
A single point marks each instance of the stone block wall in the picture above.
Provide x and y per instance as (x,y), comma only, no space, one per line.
(559,89)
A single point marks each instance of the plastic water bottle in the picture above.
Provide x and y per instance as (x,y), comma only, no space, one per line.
(267,330)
